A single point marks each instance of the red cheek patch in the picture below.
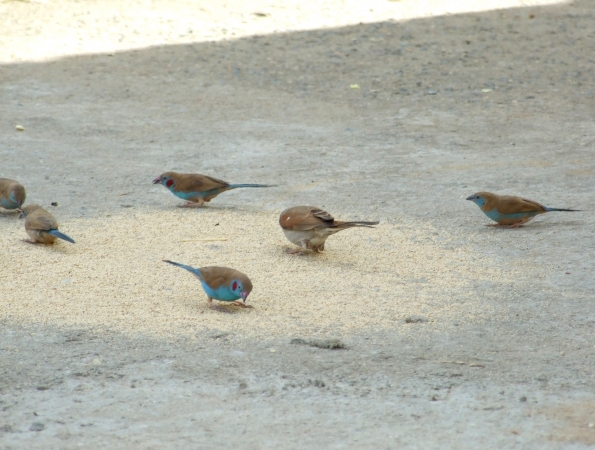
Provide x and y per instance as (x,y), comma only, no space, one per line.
(169,183)
(235,285)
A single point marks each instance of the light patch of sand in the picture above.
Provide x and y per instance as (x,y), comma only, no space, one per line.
(68,27)
(114,277)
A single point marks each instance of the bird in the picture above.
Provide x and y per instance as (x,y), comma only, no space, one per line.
(309,226)
(41,226)
(221,283)
(510,211)
(197,189)
(12,194)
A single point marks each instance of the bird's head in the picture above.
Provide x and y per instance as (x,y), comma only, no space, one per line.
(478,199)
(17,195)
(241,287)
(27,210)
(166,179)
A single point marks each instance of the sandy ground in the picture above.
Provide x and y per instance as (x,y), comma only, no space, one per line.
(455,335)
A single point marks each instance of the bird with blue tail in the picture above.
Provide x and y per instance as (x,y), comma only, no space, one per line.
(197,189)
(12,194)
(41,226)
(510,211)
(221,283)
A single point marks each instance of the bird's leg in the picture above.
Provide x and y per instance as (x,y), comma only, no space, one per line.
(190,204)
(29,241)
(213,306)
(241,304)
(321,247)
(293,251)
(306,244)
(498,225)
(516,225)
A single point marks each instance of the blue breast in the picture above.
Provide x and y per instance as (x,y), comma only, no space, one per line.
(496,215)
(8,204)
(189,195)
(222,293)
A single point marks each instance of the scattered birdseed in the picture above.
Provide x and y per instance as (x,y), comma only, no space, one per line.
(117,280)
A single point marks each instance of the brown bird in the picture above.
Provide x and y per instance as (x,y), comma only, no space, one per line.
(508,210)
(221,283)
(308,227)
(41,226)
(197,189)
(12,194)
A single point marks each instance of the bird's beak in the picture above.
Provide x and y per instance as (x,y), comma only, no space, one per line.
(157,180)
(244,296)
(469,198)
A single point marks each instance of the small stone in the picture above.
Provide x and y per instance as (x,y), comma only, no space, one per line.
(415,319)
(37,426)
(54,203)
(217,334)
(42,388)
(523,399)
(243,385)
(330,344)
(19,128)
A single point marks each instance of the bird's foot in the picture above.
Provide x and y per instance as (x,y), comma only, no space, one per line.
(29,241)
(193,204)
(293,251)
(241,304)
(217,308)
(514,225)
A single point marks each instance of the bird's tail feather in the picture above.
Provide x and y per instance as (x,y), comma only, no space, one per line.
(250,185)
(60,235)
(547,208)
(358,224)
(184,266)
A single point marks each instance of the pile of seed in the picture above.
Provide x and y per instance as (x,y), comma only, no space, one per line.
(114,277)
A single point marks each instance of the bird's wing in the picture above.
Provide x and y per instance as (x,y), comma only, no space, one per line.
(214,276)
(5,184)
(508,204)
(41,220)
(303,218)
(194,182)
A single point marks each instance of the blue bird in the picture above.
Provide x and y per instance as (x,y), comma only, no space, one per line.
(197,189)
(221,283)
(510,211)
(41,226)
(12,194)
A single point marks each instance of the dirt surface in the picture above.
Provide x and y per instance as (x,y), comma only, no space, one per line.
(451,334)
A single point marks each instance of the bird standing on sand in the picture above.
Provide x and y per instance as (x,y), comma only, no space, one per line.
(510,211)
(308,227)
(221,283)
(197,189)
(41,226)
(12,194)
